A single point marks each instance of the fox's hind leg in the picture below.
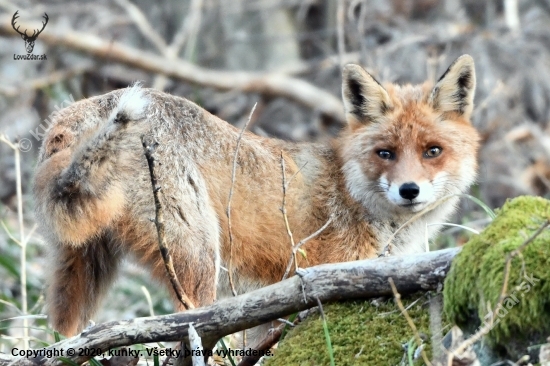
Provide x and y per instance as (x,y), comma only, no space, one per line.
(191,228)
(191,225)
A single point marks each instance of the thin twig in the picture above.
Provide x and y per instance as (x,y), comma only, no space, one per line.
(187,32)
(302,242)
(397,296)
(169,51)
(159,222)
(287,322)
(514,253)
(16,241)
(228,210)
(388,246)
(296,173)
(340,20)
(192,29)
(143,25)
(295,247)
(499,86)
(503,293)
(10,305)
(39,302)
(272,337)
(283,210)
(22,241)
(31,232)
(321,229)
(395,311)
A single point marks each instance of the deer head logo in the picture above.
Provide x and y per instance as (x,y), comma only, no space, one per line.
(29,40)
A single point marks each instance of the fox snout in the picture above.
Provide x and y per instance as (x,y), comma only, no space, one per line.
(409,191)
(413,194)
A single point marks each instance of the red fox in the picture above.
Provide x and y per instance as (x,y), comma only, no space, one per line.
(404,148)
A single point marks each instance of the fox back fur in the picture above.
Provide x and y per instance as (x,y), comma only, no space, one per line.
(404,148)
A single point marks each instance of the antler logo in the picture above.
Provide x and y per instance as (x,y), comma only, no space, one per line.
(29,40)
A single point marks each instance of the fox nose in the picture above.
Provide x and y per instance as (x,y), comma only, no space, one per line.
(409,191)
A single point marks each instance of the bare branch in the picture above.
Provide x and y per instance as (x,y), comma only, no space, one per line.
(159,222)
(228,211)
(268,342)
(302,242)
(187,32)
(193,24)
(144,26)
(44,81)
(329,282)
(341,39)
(267,84)
(285,218)
(319,231)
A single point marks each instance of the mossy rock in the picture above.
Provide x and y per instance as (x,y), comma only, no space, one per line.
(360,334)
(477,275)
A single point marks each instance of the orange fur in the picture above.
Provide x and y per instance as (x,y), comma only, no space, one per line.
(94,196)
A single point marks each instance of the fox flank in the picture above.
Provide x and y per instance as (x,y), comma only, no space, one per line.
(404,148)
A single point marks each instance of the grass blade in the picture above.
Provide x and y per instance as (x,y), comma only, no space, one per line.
(287,327)
(228,355)
(481,204)
(67,361)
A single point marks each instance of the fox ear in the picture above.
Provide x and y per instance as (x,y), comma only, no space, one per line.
(365,100)
(454,91)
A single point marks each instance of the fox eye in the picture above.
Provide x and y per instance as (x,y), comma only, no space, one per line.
(433,152)
(386,154)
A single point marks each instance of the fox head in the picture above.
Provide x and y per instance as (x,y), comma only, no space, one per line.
(408,146)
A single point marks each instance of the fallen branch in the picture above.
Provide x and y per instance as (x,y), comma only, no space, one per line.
(43,81)
(267,84)
(328,282)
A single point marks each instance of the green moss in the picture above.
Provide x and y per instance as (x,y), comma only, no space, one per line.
(477,274)
(361,334)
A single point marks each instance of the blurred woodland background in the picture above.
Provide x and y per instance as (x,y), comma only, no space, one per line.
(286,55)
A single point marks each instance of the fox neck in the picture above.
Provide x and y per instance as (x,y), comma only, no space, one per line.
(409,234)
